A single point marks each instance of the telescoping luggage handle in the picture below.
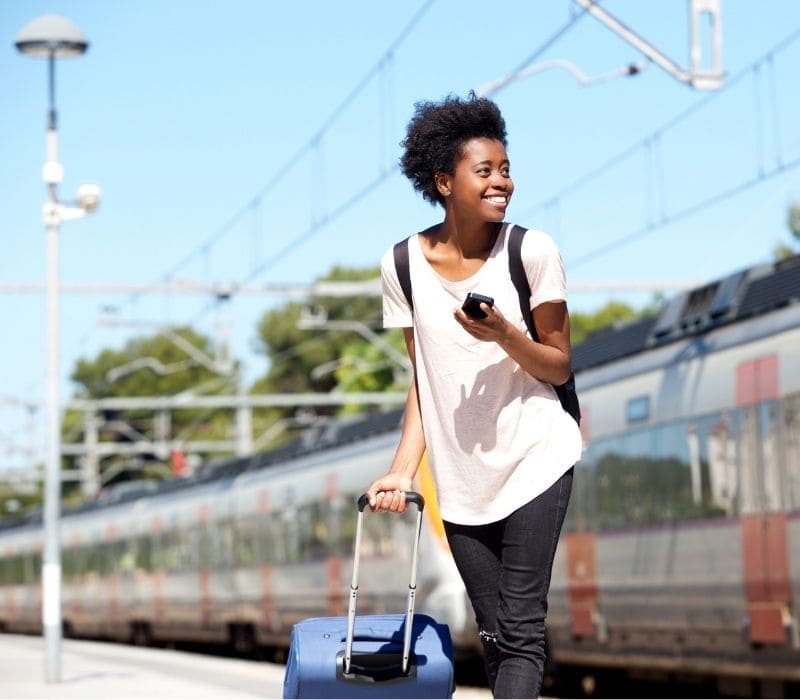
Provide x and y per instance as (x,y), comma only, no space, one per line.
(419,501)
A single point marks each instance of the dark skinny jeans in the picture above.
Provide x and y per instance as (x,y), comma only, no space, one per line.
(506,568)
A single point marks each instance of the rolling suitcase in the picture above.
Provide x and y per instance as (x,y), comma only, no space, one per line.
(371,656)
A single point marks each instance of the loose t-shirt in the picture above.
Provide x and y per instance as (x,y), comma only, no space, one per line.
(496,437)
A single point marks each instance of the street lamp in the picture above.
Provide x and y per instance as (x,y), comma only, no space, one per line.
(52,37)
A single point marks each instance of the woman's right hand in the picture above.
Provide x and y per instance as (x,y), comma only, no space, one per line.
(389,493)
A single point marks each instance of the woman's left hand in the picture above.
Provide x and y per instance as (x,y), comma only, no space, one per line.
(492,328)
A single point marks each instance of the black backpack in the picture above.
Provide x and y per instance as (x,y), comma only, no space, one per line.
(566,392)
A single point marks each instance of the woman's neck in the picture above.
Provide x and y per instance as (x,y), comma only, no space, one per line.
(467,238)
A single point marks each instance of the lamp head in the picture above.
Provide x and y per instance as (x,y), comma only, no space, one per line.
(51,35)
(89,197)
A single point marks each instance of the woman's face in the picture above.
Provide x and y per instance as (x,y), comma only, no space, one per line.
(480,185)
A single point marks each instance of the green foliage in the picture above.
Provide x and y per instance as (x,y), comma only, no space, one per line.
(364,366)
(106,374)
(319,359)
(16,501)
(153,365)
(793,221)
(582,324)
(782,251)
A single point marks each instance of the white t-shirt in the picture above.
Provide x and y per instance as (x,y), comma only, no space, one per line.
(496,437)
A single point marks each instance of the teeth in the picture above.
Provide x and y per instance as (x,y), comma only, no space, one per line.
(497,200)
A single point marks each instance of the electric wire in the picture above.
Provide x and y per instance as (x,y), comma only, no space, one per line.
(317,226)
(308,146)
(655,137)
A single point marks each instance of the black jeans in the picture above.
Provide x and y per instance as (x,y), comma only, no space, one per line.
(506,567)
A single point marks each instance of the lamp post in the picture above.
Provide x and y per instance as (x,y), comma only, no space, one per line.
(52,37)
(562,64)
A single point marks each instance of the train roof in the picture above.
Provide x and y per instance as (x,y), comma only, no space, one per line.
(748,293)
(334,433)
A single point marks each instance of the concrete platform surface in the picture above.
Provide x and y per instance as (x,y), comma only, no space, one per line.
(118,672)
(105,670)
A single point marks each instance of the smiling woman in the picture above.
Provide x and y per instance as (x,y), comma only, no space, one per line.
(483,405)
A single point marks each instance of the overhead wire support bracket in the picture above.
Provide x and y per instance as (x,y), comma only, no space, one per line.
(697,76)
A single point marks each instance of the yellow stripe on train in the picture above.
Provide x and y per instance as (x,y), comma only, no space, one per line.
(427,487)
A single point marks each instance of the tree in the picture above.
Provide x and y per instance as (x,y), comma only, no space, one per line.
(154,365)
(364,366)
(783,251)
(321,360)
(582,324)
(146,366)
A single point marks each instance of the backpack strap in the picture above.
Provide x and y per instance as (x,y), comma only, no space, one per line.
(519,278)
(403,272)
(566,392)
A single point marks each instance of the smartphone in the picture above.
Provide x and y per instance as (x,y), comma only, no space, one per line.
(472,305)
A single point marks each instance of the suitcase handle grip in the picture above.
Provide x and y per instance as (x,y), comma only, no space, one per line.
(411,497)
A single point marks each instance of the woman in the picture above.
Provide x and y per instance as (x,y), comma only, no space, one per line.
(483,405)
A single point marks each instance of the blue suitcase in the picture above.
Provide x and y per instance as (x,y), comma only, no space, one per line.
(371,656)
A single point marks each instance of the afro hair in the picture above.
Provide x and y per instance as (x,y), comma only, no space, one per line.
(437,133)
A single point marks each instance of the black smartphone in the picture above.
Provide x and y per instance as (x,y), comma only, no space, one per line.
(472,305)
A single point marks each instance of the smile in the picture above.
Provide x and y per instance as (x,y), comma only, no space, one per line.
(497,199)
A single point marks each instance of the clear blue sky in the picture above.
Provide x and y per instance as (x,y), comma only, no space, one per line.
(191,113)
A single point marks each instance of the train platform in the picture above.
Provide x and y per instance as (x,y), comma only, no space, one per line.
(108,670)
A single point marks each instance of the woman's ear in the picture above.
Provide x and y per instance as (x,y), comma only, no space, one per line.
(442,183)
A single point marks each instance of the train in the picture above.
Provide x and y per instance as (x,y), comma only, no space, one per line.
(680,554)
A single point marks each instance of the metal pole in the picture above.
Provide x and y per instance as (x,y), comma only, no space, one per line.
(51,563)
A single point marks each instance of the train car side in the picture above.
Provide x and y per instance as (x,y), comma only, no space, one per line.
(682,549)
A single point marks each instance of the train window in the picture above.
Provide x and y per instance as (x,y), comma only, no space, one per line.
(13,570)
(77,556)
(305,533)
(278,537)
(791,449)
(91,558)
(319,532)
(648,476)
(192,544)
(291,527)
(127,558)
(347,524)
(246,543)
(166,554)
(764,455)
(17,569)
(224,541)
(381,532)
(21,569)
(68,564)
(144,553)
(770,429)
(266,544)
(638,409)
(105,552)
(746,437)
(204,547)
(29,576)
